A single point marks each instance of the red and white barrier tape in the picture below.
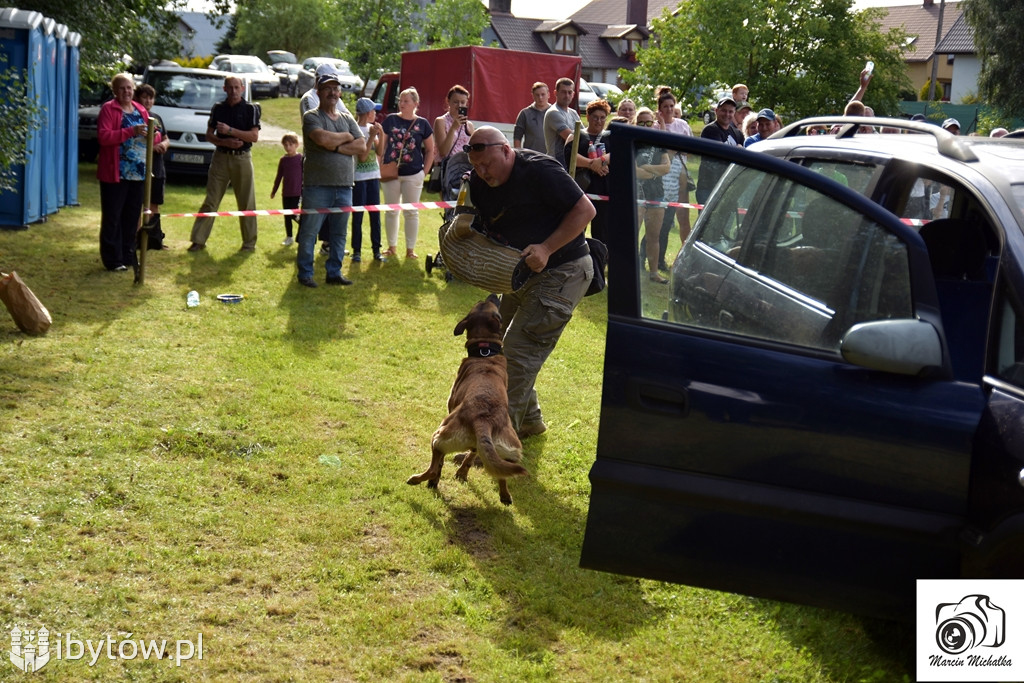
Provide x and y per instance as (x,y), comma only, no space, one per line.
(383,208)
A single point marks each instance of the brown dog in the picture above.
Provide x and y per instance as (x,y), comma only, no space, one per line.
(478,407)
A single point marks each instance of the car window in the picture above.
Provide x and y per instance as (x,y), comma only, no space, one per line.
(186,90)
(1010,343)
(777,260)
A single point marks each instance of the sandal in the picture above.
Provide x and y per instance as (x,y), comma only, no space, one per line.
(658,279)
(390,252)
(409,253)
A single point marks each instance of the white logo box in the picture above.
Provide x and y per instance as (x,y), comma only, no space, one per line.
(970,630)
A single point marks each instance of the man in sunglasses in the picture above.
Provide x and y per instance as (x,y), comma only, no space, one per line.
(528,200)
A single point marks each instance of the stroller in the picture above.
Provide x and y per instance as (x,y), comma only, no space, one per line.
(454,171)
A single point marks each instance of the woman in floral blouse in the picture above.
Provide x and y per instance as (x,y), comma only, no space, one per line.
(409,140)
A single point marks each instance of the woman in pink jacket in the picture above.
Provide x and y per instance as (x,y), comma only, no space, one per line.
(121,169)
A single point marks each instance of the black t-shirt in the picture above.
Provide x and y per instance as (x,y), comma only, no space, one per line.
(712,169)
(531,204)
(243,116)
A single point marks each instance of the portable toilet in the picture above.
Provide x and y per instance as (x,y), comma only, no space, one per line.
(48,95)
(61,114)
(21,42)
(71,178)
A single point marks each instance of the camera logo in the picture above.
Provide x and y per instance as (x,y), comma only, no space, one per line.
(972,622)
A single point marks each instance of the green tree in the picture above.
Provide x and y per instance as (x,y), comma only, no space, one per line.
(115,33)
(376,33)
(799,57)
(304,27)
(18,116)
(996,25)
(454,23)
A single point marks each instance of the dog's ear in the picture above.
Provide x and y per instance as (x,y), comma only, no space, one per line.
(493,298)
(461,326)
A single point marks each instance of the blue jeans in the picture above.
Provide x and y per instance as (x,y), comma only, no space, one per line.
(364,193)
(321,197)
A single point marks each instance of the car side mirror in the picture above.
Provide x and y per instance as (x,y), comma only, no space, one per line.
(904,347)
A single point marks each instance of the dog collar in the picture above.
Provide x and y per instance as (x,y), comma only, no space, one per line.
(484,349)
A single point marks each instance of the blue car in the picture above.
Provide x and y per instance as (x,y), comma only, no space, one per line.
(826,401)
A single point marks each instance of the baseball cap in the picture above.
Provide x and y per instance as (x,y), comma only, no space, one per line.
(950,122)
(726,100)
(364,105)
(326,78)
(324,69)
(766,114)
(743,104)
(918,117)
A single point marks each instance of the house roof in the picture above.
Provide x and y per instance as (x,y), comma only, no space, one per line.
(205,33)
(959,40)
(921,20)
(610,12)
(594,50)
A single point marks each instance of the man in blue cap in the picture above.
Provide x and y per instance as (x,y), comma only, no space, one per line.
(765,127)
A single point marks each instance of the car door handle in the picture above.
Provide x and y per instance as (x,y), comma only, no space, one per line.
(646,396)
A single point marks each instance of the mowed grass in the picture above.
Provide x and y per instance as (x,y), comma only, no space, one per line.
(239,471)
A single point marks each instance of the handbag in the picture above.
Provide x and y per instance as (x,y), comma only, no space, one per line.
(28,312)
(389,171)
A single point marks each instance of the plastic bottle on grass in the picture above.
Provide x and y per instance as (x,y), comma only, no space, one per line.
(192,299)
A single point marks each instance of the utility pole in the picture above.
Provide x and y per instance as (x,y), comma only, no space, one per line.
(935,55)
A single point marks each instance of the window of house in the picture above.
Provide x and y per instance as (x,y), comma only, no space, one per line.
(565,43)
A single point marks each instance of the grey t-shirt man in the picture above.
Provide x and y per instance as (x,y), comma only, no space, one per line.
(556,120)
(323,166)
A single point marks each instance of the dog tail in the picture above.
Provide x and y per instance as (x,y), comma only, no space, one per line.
(493,463)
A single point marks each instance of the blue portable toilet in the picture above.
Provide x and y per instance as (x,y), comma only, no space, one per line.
(61,112)
(48,95)
(21,42)
(71,179)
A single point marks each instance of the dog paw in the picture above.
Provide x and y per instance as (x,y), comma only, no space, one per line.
(432,484)
(506,500)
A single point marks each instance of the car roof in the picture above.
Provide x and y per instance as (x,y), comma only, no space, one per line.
(932,144)
(185,70)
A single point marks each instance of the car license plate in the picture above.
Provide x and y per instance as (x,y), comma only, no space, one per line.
(187,158)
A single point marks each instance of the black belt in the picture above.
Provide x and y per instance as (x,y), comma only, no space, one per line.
(225,150)
(565,254)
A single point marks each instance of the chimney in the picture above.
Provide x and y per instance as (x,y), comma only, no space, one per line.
(929,4)
(502,6)
(636,12)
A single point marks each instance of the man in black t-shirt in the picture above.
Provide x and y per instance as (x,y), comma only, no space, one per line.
(527,199)
(234,126)
(722,130)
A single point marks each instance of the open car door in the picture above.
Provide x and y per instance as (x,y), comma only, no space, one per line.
(781,419)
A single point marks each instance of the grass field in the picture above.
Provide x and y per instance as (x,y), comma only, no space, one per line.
(237,471)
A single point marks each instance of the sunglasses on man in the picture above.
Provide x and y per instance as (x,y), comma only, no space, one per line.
(479,146)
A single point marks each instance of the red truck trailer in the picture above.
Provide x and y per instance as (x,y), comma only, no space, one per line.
(498,80)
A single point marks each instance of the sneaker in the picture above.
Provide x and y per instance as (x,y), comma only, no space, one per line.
(528,429)
(307,282)
(288,241)
(324,249)
(196,247)
(337,280)
(377,256)
(356,258)
(120,269)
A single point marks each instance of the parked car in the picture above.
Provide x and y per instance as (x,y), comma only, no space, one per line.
(287,68)
(584,96)
(349,81)
(826,403)
(709,97)
(89,102)
(607,91)
(184,98)
(263,81)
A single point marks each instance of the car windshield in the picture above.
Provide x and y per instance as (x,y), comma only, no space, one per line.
(190,91)
(281,57)
(246,68)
